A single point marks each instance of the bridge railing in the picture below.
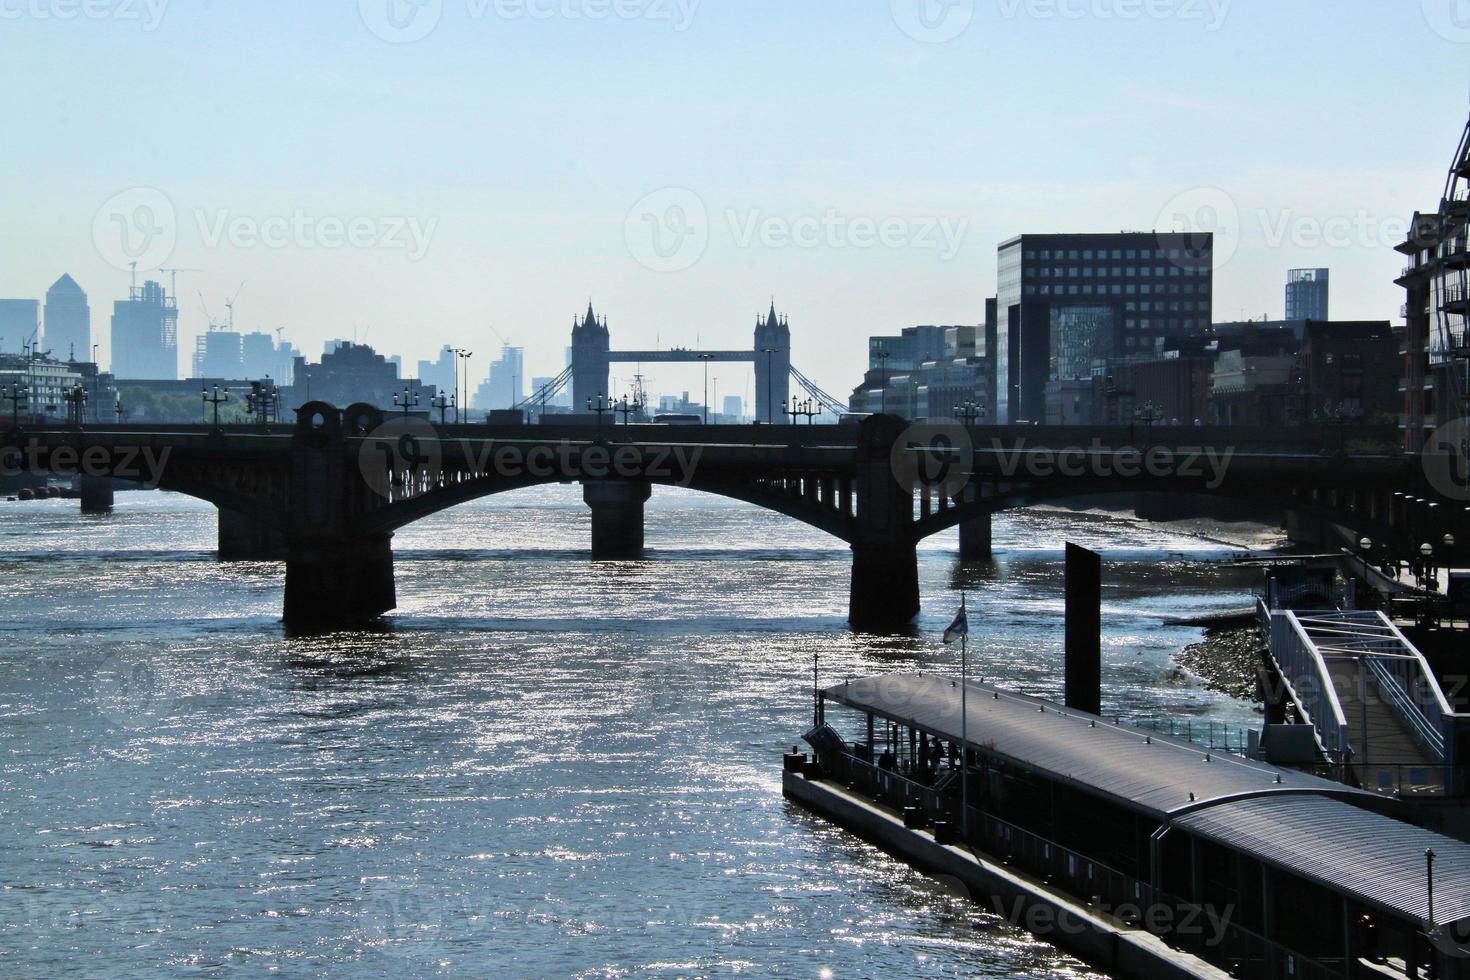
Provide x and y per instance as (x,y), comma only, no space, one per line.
(1413,691)
(1308,681)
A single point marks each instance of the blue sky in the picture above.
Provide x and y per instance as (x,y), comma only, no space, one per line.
(682,162)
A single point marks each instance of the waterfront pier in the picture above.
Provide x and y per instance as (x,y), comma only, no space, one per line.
(1166,858)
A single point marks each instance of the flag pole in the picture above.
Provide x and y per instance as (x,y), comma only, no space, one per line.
(964,728)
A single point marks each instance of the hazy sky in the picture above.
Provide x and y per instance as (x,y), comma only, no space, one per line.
(418,172)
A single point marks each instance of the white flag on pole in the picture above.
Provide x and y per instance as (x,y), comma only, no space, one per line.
(961,625)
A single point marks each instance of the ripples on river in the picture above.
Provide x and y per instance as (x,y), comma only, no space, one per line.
(543,766)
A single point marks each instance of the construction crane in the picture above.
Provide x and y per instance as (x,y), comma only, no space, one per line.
(173,280)
(230,303)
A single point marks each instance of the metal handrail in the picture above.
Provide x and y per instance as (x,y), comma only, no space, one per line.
(1310,684)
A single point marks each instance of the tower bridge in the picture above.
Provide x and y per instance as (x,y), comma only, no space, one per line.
(592,354)
(327,494)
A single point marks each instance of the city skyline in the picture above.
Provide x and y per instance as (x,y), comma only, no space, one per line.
(748,201)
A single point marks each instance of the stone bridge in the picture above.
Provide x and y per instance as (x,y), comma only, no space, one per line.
(327,494)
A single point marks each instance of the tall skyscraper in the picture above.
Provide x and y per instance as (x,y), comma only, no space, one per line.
(505,386)
(1069,303)
(68,321)
(1306,294)
(145,335)
(19,321)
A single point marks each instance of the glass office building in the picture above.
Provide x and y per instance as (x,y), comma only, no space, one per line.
(1069,304)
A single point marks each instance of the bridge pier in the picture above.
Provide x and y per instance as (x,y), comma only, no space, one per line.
(617,517)
(975,539)
(244,539)
(884,595)
(96,494)
(338,582)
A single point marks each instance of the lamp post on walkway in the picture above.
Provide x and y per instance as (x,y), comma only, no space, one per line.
(216,398)
(443,403)
(408,400)
(602,406)
(706,359)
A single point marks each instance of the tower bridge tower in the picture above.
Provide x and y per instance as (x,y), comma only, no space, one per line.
(590,347)
(772,366)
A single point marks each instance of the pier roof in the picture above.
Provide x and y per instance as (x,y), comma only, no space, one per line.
(1347,849)
(1138,769)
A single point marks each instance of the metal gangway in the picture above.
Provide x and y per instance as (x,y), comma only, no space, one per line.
(1380,716)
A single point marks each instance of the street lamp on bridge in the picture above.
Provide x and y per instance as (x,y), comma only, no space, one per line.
(882,356)
(706,358)
(408,400)
(627,408)
(969,412)
(463,366)
(119,411)
(264,401)
(443,403)
(216,398)
(76,405)
(601,406)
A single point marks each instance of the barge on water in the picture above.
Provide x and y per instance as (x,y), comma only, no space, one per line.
(1144,855)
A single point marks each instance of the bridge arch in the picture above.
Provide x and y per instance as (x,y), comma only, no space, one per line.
(401,513)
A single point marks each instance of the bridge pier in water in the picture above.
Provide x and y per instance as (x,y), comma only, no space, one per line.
(95,493)
(339,582)
(337,575)
(884,594)
(617,517)
(244,539)
(975,541)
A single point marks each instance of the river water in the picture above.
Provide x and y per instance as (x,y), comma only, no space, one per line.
(542,766)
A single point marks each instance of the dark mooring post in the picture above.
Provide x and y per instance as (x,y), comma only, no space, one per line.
(617,517)
(96,493)
(336,577)
(1084,630)
(242,538)
(885,560)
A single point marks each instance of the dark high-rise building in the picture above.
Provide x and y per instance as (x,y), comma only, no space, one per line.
(145,335)
(1069,304)
(1306,294)
(68,321)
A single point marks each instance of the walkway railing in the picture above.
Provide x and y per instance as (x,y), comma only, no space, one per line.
(1214,735)
(1308,680)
